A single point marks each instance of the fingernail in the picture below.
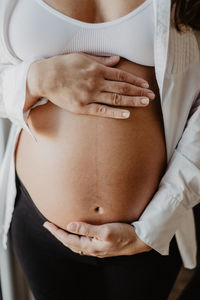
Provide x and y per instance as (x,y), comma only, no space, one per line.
(115,56)
(126,114)
(151,95)
(145,85)
(47,225)
(145,101)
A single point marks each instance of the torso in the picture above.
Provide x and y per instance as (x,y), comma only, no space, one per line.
(89,168)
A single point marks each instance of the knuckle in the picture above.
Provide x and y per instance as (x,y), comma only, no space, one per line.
(140,92)
(98,68)
(92,82)
(121,76)
(114,113)
(111,113)
(101,109)
(94,69)
(125,89)
(90,109)
(106,233)
(135,102)
(137,92)
(117,98)
(79,227)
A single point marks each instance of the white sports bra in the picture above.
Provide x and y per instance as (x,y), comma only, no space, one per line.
(38,30)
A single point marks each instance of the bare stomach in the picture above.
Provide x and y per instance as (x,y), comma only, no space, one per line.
(93,169)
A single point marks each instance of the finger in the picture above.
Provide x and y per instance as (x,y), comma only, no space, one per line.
(105,60)
(74,241)
(56,231)
(120,75)
(126,89)
(121,100)
(105,111)
(89,230)
(62,235)
(50,226)
(88,245)
(67,239)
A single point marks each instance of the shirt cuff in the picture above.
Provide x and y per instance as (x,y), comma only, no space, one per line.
(182,179)
(24,125)
(14,93)
(160,221)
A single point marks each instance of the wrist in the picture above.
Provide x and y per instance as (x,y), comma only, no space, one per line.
(141,246)
(138,246)
(33,85)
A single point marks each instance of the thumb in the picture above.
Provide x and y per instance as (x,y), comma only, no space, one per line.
(105,60)
(86,229)
(108,60)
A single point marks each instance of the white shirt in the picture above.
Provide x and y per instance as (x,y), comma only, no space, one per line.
(177,66)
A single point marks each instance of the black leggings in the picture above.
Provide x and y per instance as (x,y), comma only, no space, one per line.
(54,272)
(192,291)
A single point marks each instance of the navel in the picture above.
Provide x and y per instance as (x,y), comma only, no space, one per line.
(98,210)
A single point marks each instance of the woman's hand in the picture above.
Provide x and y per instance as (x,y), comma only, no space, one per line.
(82,83)
(112,239)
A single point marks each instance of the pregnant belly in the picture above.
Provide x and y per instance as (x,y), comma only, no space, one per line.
(93,169)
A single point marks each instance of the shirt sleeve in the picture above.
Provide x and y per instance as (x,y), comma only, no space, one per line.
(13,93)
(179,191)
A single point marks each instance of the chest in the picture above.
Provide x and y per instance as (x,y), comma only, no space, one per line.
(38,29)
(94,11)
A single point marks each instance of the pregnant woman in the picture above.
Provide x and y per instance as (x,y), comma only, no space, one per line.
(87,167)
(89,163)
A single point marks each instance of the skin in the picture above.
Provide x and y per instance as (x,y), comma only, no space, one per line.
(113,238)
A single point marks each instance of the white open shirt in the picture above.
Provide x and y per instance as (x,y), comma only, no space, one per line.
(177,66)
